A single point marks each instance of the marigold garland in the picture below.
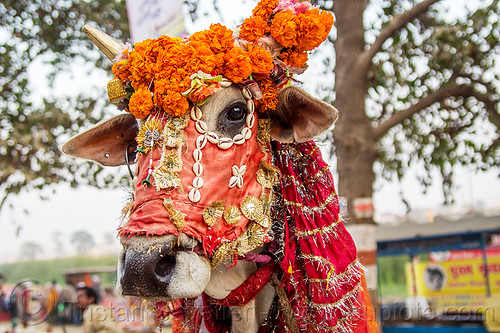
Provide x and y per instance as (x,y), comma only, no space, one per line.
(278,30)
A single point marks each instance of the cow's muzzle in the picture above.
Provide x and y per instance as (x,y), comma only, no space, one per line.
(162,267)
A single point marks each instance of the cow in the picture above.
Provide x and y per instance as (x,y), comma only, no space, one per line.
(234,223)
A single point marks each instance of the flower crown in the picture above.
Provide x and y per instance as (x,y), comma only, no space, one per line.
(168,73)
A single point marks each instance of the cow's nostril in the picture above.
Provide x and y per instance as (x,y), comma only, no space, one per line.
(165,266)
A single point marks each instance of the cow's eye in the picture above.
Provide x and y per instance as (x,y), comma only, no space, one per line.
(236,112)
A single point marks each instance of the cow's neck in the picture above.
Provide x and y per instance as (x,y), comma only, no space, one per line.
(236,288)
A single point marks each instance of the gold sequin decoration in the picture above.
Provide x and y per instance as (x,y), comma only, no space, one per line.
(213,213)
(178,123)
(172,160)
(250,239)
(267,175)
(252,208)
(176,217)
(174,138)
(116,91)
(232,215)
(165,178)
(264,132)
(149,136)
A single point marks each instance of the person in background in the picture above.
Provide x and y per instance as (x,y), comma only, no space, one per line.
(96,318)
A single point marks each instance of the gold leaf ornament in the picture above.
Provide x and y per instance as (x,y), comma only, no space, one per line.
(214,212)
(178,123)
(250,239)
(252,208)
(220,254)
(177,218)
(232,215)
(267,175)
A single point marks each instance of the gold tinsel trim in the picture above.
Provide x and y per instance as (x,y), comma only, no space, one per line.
(176,217)
(323,230)
(316,209)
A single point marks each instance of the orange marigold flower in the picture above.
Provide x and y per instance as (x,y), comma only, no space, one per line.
(237,65)
(313,28)
(121,70)
(218,37)
(294,58)
(261,59)
(284,28)
(253,28)
(270,99)
(173,103)
(141,103)
(201,58)
(265,8)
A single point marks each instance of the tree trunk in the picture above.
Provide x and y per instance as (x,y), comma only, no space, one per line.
(355,143)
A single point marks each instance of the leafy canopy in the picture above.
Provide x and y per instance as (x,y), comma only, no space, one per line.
(32,128)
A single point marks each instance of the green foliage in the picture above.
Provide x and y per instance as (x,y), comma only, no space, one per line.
(429,56)
(49,270)
(31,130)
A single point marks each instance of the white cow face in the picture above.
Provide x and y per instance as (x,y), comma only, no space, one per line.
(203,184)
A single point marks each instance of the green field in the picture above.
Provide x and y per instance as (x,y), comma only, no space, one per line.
(49,270)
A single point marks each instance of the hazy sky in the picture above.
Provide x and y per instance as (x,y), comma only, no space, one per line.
(98,211)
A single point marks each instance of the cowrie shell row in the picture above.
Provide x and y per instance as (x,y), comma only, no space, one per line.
(213,137)
(246,93)
(197,182)
(247,133)
(197,170)
(239,139)
(194,195)
(201,141)
(197,154)
(201,126)
(198,113)
(250,106)
(250,120)
(225,84)
(225,144)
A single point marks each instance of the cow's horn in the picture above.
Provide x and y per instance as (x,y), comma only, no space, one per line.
(107,44)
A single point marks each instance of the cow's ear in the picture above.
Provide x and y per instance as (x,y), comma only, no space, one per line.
(106,142)
(299,117)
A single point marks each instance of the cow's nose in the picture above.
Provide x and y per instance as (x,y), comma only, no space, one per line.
(147,272)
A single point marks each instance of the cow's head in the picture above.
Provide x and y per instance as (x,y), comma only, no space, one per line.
(203,113)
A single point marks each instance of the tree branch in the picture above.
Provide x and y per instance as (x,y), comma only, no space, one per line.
(439,95)
(394,25)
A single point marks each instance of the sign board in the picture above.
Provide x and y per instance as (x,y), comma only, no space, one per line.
(456,284)
(154,18)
